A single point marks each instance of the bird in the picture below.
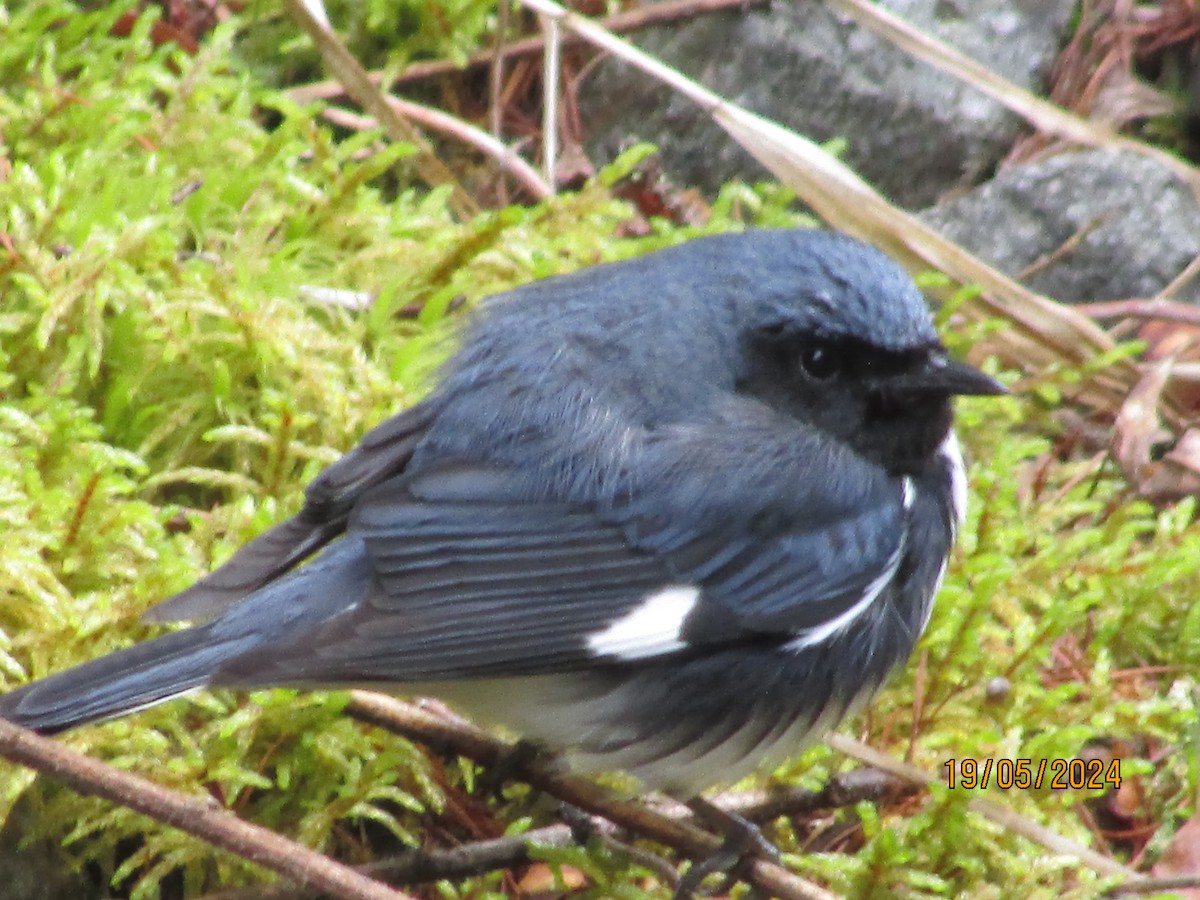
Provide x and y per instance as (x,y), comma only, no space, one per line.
(675,515)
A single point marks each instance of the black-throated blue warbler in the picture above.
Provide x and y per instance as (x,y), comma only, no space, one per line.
(672,515)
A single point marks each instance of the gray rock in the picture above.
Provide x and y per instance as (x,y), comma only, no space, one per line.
(1137,226)
(912,130)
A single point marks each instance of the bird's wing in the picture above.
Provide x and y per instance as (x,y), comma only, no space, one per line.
(383,453)
(473,579)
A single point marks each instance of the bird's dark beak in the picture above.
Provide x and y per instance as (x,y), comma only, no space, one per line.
(944,375)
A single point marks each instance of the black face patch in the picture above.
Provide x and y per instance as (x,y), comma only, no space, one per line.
(813,359)
(857,393)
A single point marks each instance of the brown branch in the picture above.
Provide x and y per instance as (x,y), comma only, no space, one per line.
(855,786)
(466,861)
(462,739)
(653,14)
(480,857)
(201,819)
(471,860)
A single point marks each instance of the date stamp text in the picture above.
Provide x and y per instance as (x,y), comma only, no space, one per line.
(1033,774)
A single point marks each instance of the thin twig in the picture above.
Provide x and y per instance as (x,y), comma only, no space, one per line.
(1067,247)
(551,68)
(462,739)
(1168,884)
(436,120)
(1163,310)
(652,14)
(355,81)
(1190,271)
(496,88)
(201,819)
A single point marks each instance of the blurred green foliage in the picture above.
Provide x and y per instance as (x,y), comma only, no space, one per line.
(169,382)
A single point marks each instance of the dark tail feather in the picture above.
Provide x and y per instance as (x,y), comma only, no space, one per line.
(257,563)
(130,679)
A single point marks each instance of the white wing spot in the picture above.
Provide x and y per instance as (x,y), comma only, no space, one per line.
(951,453)
(826,630)
(937,586)
(823,632)
(650,629)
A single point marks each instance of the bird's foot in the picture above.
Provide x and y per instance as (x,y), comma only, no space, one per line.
(743,843)
(511,766)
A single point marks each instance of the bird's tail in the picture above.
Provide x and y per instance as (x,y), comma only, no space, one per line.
(131,679)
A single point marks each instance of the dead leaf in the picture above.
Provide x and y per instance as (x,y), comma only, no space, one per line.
(649,189)
(1186,452)
(1138,430)
(539,881)
(1180,340)
(1138,436)
(1182,857)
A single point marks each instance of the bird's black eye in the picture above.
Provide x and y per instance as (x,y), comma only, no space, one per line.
(819,362)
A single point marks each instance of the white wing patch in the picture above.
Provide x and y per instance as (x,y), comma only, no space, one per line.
(650,629)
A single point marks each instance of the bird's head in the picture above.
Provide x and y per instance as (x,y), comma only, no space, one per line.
(842,340)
